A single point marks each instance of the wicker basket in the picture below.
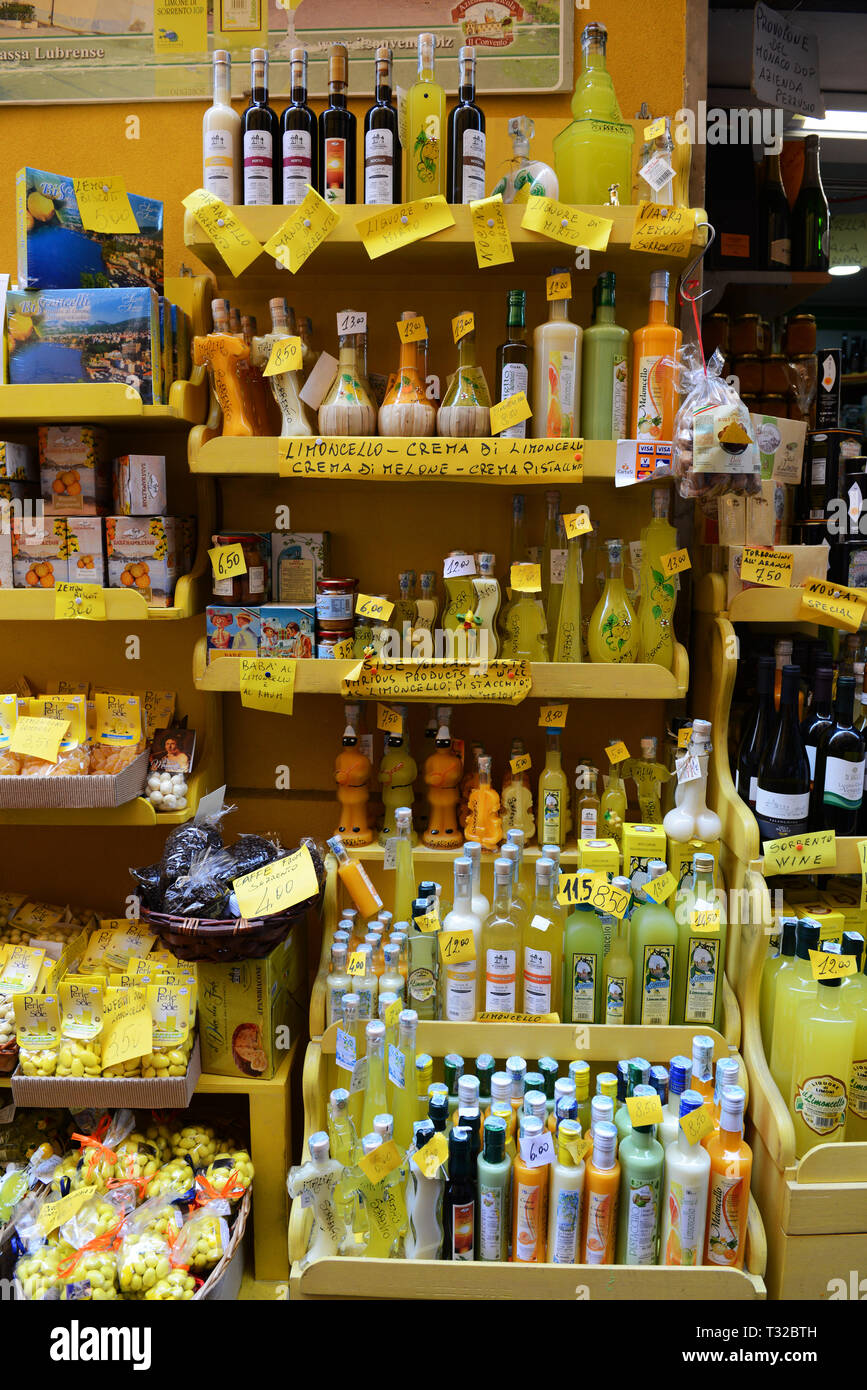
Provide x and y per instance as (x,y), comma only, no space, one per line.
(224,1280)
(201,938)
(8,1058)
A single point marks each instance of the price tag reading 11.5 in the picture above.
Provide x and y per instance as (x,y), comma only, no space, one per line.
(575,888)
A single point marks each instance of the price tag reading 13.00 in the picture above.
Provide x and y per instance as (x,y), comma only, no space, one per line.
(277,886)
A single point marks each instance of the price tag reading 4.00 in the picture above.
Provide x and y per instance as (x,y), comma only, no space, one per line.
(277,886)
(617,752)
(644,1110)
(357,963)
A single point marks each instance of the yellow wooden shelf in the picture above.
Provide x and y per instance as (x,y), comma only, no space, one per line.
(105,403)
(136,812)
(427,854)
(754,605)
(260,455)
(576,681)
(121,605)
(451,250)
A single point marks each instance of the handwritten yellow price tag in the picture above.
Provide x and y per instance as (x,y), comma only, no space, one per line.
(644,1110)
(564,223)
(578,1147)
(285,357)
(801,853)
(412,330)
(655,129)
(277,886)
(606,897)
(553,716)
(38,738)
(431,1157)
(575,888)
(127,1026)
(381,1162)
(660,889)
(491,232)
(268,683)
(235,242)
(773,568)
(832,604)
(664,230)
(684,734)
(462,324)
(828,965)
(577,524)
(675,562)
(392,1014)
(79,601)
(522,763)
(343,651)
(227,561)
(559,285)
(862,860)
(357,963)
(388,720)
(510,412)
(696,1124)
(456,947)
(706,919)
(526,579)
(617,752)
(104,206)
(368,607)
(306,228)
(401,225)
(54,1214)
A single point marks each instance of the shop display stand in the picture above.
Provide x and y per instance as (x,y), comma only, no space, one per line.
(815,1208)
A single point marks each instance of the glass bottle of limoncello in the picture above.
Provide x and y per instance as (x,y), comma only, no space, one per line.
(658,594)
(613,632)
(612,806)
(425,128)
(526,630)
(553,794)
(458,584)
(567,641)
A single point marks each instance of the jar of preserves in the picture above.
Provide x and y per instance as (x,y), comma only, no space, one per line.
(326,641)
(335,602)
(250,588)
(715,331)
(748,370)
(775,375)
(765,337)
(774,404)
(800,336)
(746,335)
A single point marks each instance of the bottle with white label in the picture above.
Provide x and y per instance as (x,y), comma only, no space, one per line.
(425,127)
(459,1200)
(602,1185)
(701,949)
(618,975)
(465,178)
(260,132)
(337,984)
(366,985)
(543,945)
(783,780)
(653,935)
(375,1101)
(513,365)
(424,1200)
(482,639)
(298,135)
(817,722)
(679,1078)
(641,1163)
(584,954)
(838,783)
(557,372)
(403,1078)
(684,1203)
(605,385)
(458,571)
(459,982)
(494,1171)
(382,153)
(565,1194)
(315,1183)
(501,947)
(221,136)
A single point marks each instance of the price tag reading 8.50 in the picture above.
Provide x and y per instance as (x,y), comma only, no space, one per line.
(605,897)
(553,716)
(644,1110)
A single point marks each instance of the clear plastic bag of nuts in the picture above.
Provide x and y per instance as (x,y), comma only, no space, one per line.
(714,448)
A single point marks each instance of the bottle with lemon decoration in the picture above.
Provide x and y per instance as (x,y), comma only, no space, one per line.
(557,372)
(658,594)
(613,632)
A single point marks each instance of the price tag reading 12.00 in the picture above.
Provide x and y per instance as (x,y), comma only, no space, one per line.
(828,965)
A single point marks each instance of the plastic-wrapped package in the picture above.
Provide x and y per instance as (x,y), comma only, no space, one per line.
(201,892)
(96,1167)
(187,843)
(714,451)
(148,880)
(228,1176)
(176,1178)
(250,852)
(204,1237)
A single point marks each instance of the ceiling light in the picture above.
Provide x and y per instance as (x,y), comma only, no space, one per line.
(837,125)
(843,269)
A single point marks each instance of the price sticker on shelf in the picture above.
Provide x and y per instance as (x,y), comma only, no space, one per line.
(525,579)
(606,897)
(660,889)
(801,853)
(522,763)
(764,565)
(457,947)
(559,285)
(655,129)
(538,1150)
(617,752)
(491,232)
(574,888)
(401,225)
(675,562)
(428,921)
(462,324)
(38,737)
(564,223)
(431,1157)
(278,886)
(832,604)
(644,1110)
(227,561)
(664,230)
(357,963)
(705,919)
(553,716)
(577,524)
(104,206)
(389,720)
(303,230)
(412,330)
(367,606)
(235,242)
(828,965)
(509,412)
(268,683)
(459,566)
(79,601)
(285,356)
(351,321)
(696,1124)
(381,1162)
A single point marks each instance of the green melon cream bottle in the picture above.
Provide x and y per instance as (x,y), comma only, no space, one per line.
(605,375)
(641,1164)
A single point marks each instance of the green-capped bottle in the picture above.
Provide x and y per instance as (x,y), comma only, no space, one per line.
(605,379)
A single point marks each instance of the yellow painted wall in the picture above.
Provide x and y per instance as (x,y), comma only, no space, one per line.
(646,51)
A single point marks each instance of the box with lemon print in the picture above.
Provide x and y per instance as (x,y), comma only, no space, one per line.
(142,555)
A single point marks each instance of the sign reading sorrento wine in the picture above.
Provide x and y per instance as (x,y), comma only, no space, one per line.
(498,682)
(160,50)
(485,460)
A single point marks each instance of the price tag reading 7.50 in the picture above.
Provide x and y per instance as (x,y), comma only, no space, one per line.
(277,886)
(575,888)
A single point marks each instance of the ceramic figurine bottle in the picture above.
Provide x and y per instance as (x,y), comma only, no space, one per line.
(397,773)
(352,771)
(442,775)
(483,819)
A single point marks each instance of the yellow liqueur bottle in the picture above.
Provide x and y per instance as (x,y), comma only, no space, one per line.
(613,632)
(425,126)
(595,151)
(821,1065)
(553,794)
(658,594)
